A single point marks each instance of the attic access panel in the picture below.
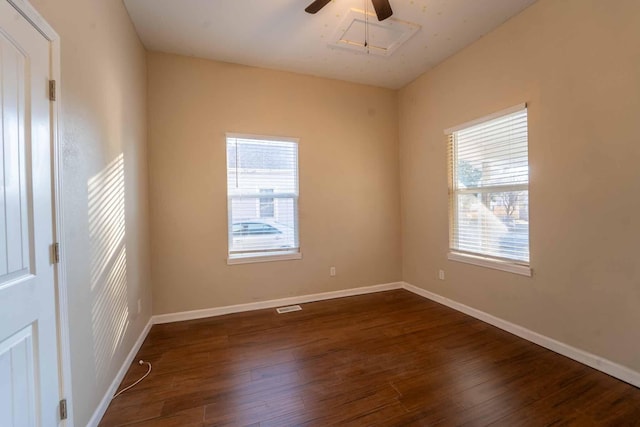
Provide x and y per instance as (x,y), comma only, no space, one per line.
(384,37)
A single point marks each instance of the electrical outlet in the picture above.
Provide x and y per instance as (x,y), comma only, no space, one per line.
(139,305)
(441,274)
(332,271)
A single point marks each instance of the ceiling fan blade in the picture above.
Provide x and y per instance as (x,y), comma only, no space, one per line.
(383,9)
(316,6)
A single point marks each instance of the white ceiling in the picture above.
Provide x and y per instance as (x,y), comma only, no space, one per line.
(278,34)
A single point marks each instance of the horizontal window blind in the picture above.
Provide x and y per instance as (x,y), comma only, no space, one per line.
(489,188)
(262,191)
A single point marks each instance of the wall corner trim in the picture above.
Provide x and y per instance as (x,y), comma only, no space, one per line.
(219,311)
(108,396)
(596,362)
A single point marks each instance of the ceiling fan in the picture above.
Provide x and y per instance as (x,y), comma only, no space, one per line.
(382,7)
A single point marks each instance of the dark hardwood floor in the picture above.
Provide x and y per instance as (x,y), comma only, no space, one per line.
(388,359)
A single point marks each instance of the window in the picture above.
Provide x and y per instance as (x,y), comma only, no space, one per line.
(262,228)
(489,191)
(266,204)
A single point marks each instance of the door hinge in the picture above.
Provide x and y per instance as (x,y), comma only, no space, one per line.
(52,90)
(63,409)
(55,252)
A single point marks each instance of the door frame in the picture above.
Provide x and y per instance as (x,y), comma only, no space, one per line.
(60,279)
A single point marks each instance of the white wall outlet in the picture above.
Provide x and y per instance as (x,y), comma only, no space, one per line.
(332,271)
(139,305)
(441,274)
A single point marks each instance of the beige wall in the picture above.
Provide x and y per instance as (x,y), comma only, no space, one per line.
(577,64)
(103,117)
(348,159)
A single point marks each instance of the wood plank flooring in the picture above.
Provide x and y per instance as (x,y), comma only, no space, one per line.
(387,359)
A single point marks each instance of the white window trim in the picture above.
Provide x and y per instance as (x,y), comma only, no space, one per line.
(487,261)
(262,137)
(486,118)
(250,259)
(494,263)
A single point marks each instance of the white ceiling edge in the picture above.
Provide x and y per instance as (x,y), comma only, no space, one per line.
(286,70)
(279,35)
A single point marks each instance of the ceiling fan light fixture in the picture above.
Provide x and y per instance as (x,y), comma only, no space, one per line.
(382,8)
(315,7)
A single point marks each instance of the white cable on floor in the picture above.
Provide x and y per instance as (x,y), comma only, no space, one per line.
(140,362)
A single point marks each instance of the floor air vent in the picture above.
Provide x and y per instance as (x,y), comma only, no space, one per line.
(288,309)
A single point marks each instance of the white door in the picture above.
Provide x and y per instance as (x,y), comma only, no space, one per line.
(29,391)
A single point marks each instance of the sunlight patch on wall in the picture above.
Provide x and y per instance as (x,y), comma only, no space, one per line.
(110,312)
(106,216)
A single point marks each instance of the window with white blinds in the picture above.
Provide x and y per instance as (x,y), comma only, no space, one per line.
(489,187)
(262,192)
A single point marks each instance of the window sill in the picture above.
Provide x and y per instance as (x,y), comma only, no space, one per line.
(496,264)
(250,259)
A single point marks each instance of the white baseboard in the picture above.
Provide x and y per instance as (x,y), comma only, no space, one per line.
(601,364)
(219,311)
(106,400)
(611,368)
